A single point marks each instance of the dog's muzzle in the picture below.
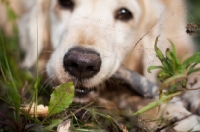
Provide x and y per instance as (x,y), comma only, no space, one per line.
(82,63)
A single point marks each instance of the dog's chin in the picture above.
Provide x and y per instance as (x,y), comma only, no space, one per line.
(83,92)
(85,95)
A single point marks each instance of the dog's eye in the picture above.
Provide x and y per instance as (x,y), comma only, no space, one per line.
(123,14)
(66,4)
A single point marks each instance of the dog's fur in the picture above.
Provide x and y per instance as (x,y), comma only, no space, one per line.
(92,24)
(114,40)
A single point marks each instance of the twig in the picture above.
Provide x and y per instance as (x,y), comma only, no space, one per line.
(193,88)
(143,124)
(77,111)
(171,123)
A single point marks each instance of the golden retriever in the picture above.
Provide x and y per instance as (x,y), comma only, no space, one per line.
(91,39)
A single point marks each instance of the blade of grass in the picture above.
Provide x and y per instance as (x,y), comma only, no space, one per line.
(156,103)
(172,80)
(37,77)
(15,94)
(194,70)
(4,77)
(155,67)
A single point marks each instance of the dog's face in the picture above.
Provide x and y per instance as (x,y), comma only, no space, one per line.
(91,39)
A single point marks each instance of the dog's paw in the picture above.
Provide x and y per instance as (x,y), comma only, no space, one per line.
(192,95)
(180,118)
(192,101)
(193,81)
(190,123)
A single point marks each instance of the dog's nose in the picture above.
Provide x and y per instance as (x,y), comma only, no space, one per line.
(82,63)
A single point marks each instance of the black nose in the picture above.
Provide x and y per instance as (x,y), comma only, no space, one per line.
(82,63)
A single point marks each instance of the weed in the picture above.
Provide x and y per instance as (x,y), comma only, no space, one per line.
(173,74)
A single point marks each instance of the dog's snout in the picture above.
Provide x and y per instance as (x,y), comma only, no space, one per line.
(82,63)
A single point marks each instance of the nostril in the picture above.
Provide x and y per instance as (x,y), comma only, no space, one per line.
(69,62)
(92,68)
(74,65)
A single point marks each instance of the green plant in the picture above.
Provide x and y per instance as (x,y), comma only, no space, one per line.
(15,83)
(173,74)
(12,81)
(173,69)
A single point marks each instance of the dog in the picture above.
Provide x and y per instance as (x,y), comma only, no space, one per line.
(91,39)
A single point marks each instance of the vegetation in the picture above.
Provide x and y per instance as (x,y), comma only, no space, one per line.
(173,74)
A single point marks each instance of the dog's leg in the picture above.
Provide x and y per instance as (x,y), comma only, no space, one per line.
(136,82)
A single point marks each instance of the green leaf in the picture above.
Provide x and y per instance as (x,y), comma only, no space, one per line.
(168,55)
(162,58)
(191,68)
(171,59)
(174,61)
(156,103)
(194,70)
(168,66)
(173,47)
(154,67)
(61,98)
(174,53)
(54,123)
(158,51)
(195,58)
(163,75)
(172,80)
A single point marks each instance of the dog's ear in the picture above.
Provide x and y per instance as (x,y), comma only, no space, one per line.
(34,30)
(147,30)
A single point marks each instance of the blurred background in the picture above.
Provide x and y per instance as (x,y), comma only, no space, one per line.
(194,17)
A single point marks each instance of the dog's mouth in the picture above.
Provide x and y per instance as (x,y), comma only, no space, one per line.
(84,95)
(83,92)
